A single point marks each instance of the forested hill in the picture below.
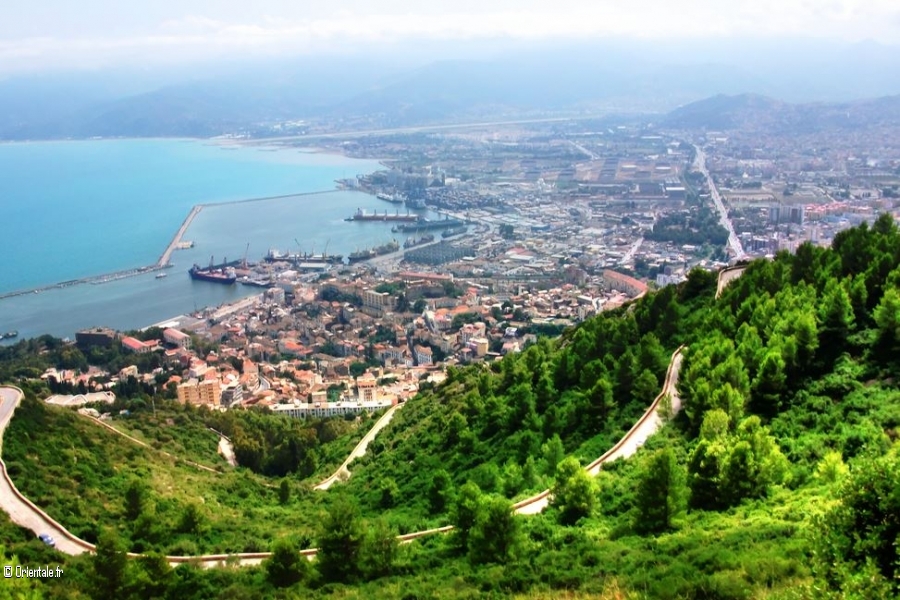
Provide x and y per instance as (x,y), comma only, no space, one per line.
(779,478)
(788,378)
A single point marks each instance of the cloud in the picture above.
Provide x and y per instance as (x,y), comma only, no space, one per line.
(354,24)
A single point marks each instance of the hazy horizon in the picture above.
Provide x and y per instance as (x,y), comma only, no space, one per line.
(202,68)
(55,35)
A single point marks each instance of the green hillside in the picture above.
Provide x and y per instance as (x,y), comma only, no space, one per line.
(88,478)
(778,479)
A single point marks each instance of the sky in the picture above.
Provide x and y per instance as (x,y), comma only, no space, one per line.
(95,34)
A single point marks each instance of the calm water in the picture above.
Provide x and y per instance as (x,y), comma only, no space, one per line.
(73,209)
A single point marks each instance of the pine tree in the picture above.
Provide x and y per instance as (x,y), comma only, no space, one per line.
(286,566)
(340,540)
(573,494)
(661,493)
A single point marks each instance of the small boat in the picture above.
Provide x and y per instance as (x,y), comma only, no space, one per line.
(160,275)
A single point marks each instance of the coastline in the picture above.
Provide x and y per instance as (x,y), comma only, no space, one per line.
(213,142)
(335,170)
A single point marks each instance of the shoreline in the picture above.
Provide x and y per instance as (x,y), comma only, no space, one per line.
(163,261)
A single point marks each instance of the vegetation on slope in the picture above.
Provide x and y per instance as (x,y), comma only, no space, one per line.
(89,478)
(779,478)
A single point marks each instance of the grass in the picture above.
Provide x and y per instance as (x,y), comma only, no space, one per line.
(78,472)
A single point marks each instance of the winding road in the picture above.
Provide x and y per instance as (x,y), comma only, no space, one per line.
(25,513)
(726,276)
(343,472)
(649,423)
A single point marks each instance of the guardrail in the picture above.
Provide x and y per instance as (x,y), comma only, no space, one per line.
(723,280)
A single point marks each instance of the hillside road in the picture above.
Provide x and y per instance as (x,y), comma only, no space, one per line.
(20,510)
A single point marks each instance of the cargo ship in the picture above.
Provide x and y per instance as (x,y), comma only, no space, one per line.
(454,231)
(360,255)
(389,198)
(223,273)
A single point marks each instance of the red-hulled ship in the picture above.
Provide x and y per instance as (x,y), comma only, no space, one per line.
(223,273)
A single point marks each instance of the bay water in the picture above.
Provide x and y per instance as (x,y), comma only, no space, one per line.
(75,209)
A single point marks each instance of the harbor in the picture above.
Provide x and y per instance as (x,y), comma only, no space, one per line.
(164,261)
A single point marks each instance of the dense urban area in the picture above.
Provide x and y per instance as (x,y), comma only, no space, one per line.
(572,280)
(552,223)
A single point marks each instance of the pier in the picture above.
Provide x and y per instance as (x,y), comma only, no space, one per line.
(93,279)
(163,261)
(376,216)
(176,241)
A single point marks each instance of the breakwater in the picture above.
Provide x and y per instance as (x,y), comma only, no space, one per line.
(176,240)
(106,277)
(163,261)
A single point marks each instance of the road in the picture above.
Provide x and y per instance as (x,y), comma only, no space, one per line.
(227,451)
(149,447)
(733,242)
(631,251)
(343,472)
(24,513)
(20,510)
(583,150)
(726,276)
(649,423)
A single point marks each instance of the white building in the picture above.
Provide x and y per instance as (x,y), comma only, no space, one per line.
(321,410)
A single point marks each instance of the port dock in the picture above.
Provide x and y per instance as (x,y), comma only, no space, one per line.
(163,261)
(361,215)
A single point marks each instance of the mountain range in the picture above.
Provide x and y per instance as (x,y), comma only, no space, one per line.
(598,78)
(742,111)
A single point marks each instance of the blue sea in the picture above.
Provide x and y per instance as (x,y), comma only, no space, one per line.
(80,208)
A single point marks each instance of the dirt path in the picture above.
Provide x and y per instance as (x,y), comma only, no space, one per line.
(146,445)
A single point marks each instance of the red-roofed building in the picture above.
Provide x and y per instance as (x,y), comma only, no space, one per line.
(137,346)
(177,338)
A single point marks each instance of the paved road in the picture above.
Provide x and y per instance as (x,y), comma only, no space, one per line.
(20,511)
(226,449)
(583,150)
(631,251)
(649,423)
(733,242)
(726,276)
(343,472)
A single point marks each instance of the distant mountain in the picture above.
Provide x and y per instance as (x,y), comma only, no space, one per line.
(723,112)
(610,76)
